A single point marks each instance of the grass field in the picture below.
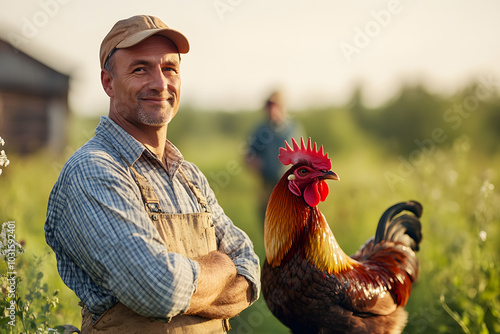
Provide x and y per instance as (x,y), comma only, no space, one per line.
(459,282)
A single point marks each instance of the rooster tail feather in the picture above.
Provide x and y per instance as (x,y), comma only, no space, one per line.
(404,228)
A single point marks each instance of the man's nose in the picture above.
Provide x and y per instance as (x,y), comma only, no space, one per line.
(159,81)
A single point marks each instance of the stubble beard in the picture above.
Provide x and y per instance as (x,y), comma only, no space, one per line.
(157,117)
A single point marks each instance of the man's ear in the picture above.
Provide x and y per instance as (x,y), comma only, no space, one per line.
(106,81)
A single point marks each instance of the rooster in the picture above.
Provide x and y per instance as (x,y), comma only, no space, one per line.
(308,282)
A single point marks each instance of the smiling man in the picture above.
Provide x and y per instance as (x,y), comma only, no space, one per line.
(137,232)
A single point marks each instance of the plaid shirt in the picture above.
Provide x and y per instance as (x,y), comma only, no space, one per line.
(107,248)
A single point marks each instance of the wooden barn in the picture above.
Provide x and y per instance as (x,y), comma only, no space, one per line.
(33,103)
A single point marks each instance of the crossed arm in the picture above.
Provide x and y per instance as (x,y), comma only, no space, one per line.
(221,292)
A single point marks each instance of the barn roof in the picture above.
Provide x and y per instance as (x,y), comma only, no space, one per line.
(22,73)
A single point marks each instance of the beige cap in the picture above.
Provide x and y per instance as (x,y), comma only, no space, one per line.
(276,97)
(132,31)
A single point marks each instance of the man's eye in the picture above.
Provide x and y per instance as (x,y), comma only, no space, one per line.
(139,69)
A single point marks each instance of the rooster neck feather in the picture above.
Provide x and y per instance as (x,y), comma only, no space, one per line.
(291,224)
(322,249)
(284,223)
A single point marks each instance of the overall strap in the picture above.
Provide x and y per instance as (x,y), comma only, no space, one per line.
(199,196)
(149,197)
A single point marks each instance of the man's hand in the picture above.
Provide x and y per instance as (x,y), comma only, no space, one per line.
(221,293)
(231,302)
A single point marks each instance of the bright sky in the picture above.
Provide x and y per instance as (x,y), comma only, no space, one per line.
(317,51)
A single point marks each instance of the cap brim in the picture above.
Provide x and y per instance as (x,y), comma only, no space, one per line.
(176,37)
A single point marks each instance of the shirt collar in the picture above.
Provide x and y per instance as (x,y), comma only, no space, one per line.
(128,147)
(131,149)
(173,158)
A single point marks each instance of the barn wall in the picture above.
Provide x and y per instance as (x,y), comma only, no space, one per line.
(31,122)
(33,103)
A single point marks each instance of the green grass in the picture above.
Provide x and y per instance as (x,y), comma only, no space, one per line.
(459,283)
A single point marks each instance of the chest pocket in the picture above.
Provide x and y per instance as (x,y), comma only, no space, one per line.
(191,234)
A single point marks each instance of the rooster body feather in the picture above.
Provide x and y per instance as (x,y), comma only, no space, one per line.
(311,285)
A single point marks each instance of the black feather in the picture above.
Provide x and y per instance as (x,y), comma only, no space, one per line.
(405,228)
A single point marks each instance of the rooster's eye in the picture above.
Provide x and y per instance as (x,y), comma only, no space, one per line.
(303,172)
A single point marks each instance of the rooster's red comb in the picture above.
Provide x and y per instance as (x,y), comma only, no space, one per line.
(312,154)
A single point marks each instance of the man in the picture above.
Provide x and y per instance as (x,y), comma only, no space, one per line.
(267,138)
(137,231)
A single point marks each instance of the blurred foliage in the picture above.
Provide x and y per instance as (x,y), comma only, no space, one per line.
(27,306)
(415,113)
(383,155)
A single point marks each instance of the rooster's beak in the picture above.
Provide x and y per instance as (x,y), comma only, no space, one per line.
(330,175)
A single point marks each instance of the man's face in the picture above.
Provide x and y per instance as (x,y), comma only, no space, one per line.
(145,82)
(276,113)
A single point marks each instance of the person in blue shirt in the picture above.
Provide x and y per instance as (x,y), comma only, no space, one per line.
(269,135)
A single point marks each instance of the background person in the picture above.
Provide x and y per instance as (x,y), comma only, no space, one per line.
(267,138)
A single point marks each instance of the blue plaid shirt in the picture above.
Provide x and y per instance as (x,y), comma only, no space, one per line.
(107,248)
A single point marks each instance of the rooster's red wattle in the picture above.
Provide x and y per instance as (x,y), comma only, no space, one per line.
(308,282)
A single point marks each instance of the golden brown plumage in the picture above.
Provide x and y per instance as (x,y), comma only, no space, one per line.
(308,282)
